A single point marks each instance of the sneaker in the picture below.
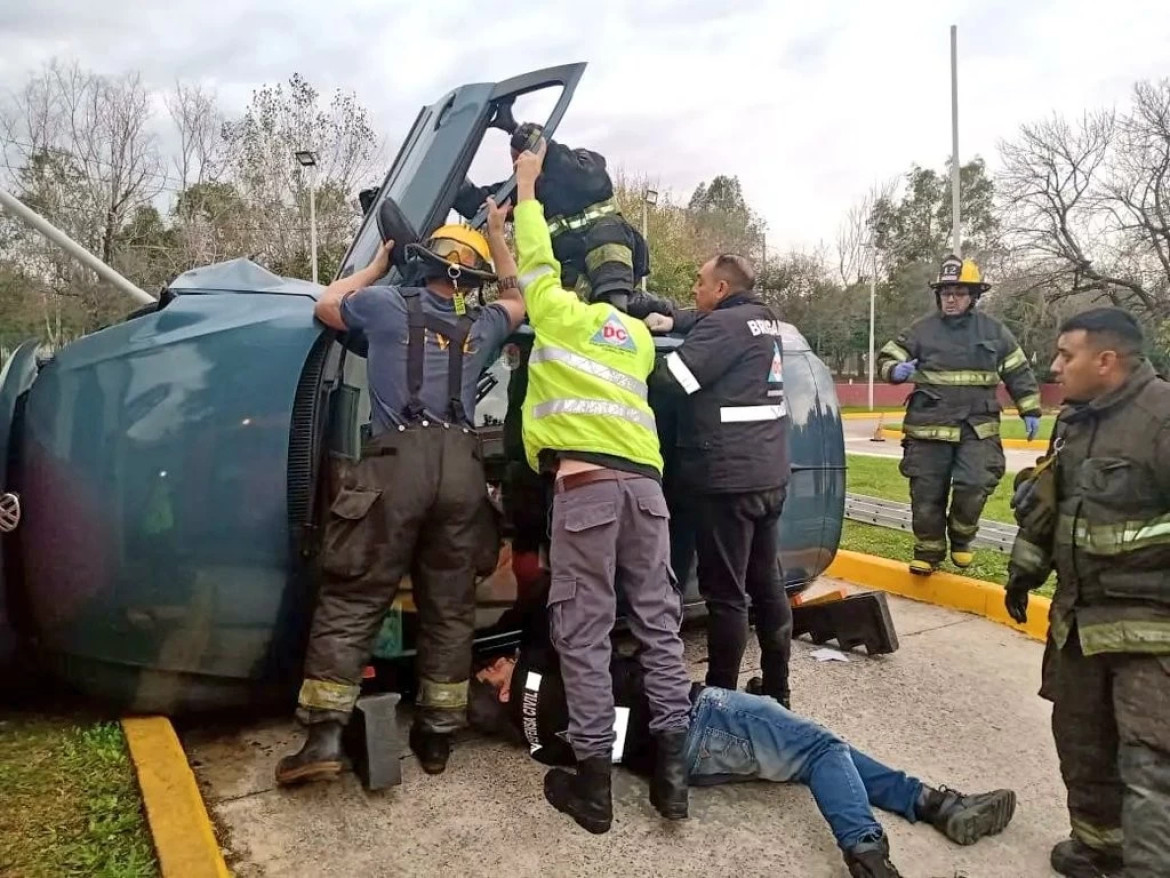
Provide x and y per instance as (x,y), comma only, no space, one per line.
(965,819)
(871,859)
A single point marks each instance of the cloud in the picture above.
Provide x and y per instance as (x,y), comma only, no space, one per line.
(808,103)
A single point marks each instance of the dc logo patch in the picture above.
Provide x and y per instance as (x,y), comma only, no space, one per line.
(614,334)
(776,373)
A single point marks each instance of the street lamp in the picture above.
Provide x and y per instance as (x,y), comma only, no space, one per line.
(872,295)
(648,200)
(308,159)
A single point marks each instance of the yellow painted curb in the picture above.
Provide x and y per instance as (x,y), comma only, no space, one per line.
(183,837)
(1040,445)
(942,589)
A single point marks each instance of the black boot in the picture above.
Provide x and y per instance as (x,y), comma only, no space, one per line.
(668,787)
(1075,859)
(755,686)
(320,758)
(871,859)
(965,819)
(586,796)
(432,749)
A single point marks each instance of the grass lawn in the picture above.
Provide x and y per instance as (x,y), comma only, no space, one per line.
(69,802)
(879,477)
(1010,427)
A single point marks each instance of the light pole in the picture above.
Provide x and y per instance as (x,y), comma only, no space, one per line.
(308,159)
(955,234)
(872,296)
(648,201)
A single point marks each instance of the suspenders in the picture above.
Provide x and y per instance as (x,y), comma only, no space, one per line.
(456,333)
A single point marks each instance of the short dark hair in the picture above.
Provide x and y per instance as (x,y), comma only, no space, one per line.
(737,270)
(487,714)
(1110,328)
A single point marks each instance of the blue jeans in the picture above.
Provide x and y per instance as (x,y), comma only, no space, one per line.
(735,737)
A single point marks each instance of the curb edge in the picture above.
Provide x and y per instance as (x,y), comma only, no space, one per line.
(184,839)
(941,589)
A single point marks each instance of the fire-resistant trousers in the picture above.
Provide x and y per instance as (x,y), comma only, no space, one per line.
(738,548)
(411,505)
(1111,725)
(609,535)
(966,473)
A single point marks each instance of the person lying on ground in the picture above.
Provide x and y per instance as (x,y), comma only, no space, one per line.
(733,736)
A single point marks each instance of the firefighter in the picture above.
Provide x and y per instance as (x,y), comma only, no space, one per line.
(412,502)
(1097,510)
(732,460)
(600,253)
(956,358)
(586,421)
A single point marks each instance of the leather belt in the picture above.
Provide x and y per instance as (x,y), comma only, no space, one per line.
(577,480)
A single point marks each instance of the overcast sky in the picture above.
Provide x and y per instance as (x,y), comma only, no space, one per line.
(809,103)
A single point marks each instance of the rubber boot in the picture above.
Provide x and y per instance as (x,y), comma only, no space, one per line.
(668,788)
(962,558)
(586,796)
(321,757)
(965,819)
(920,567)
(1075,859)
(433,750)
(871,859)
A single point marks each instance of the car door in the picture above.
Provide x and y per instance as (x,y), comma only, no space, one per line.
(437,153)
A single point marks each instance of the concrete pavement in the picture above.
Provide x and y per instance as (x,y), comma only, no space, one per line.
(955,705)
(858,434)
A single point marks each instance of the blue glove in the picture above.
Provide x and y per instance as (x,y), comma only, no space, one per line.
(902,371)
(1032,424)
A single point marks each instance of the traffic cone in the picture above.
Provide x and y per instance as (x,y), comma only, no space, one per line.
(877,431)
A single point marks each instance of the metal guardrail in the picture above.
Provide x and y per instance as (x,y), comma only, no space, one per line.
(892,514)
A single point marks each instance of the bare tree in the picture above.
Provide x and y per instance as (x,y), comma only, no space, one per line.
(1088,204)
(854,234)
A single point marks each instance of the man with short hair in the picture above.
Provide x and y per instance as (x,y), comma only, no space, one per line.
(412,502)
(733,736)
(1097,510)
(732,458)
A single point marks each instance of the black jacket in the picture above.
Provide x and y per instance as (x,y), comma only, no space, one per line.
(733,436)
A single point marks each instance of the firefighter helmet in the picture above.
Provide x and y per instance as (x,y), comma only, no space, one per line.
(960,272)
(457,252)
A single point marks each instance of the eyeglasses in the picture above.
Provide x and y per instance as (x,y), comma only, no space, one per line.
(954,294)
(457,251)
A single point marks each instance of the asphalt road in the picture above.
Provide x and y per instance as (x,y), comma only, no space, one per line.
(956,705)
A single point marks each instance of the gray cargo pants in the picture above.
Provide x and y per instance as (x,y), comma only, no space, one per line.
(606,535)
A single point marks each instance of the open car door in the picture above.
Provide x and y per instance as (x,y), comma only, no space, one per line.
(437,154)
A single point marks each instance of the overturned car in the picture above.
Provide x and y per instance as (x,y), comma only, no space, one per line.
(164,479)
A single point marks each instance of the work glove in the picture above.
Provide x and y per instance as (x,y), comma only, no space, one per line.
(902,371)
(658,322)
(1032,425)
(1015,600)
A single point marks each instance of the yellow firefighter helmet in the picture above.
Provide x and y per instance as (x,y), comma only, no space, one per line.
(460,252)
(955,271)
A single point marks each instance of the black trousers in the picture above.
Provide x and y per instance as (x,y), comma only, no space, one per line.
(738,548)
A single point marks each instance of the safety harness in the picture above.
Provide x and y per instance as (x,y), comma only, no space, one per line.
(418,321)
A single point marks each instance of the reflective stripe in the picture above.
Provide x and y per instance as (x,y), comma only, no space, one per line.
(599,256)
(526,280)
(621,723)
(450,696)
(738,414)
(941,434)
(528,710)
(1013,361)
(324,695)
(1029,403)
(956,378)
(987,430)
(594,407)
(931,545)
(580,220)
(1029,557)
(549,354)
(1097,837)
(895,350)
(963,530)
(1144,636)
(1115,539)
(684,376)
